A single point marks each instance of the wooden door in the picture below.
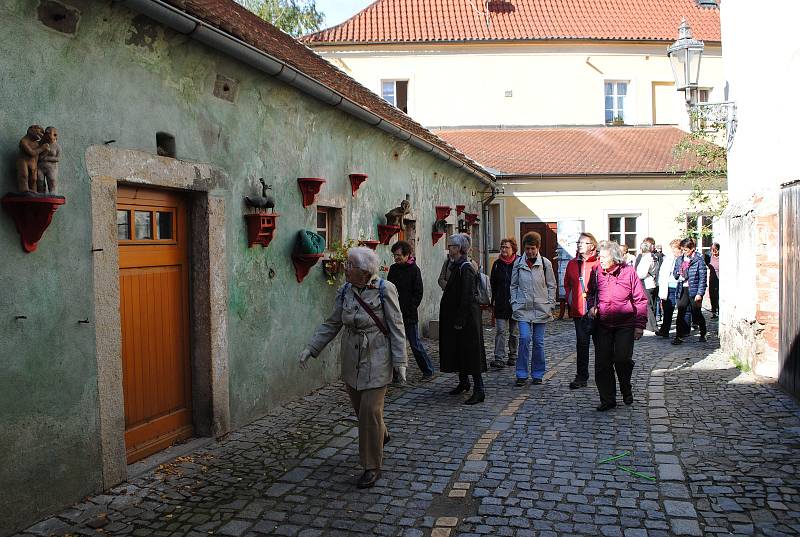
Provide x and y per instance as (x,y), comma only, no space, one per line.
(549,234)
(154,311)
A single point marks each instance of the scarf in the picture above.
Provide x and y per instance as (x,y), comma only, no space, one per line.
(508,260)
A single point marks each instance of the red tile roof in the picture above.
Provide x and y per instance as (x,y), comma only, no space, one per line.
(571,151)
(409,21)
(237,21)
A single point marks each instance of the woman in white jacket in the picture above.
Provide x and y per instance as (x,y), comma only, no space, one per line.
(533,294)
(667,284)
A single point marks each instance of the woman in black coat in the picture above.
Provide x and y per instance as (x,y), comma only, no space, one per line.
(461,347)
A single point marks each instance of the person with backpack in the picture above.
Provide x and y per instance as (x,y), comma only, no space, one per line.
(647,265)
(533,294)
(576,281)
(406,276)
(461,348)
(373,347)
(505,326)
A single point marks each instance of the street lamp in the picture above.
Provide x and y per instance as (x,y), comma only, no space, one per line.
(685,54)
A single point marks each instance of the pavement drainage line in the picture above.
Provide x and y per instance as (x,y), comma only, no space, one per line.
(476,458)
(681,513)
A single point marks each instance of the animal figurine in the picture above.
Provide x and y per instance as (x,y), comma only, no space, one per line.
(263,201)
(395,216)
(48,162)
(30,147)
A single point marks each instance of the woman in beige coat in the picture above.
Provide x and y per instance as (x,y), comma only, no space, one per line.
(371,350)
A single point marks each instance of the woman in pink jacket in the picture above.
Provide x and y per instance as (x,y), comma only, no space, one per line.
(618,305)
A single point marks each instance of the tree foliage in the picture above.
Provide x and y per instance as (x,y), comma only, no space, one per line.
(295,17)
(704,150)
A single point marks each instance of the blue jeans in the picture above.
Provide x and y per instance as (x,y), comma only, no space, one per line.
(528,331)
(420,354)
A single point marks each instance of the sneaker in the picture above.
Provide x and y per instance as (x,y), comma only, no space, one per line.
(521,382)
(499,364)
(577,383)
(677,341)
(536,381)
(511,361)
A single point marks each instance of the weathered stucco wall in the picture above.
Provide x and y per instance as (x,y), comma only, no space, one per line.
(121,77)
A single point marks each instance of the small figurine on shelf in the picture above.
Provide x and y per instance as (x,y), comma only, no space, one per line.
(396,216)
(48,162)
(30,147)
(263,201)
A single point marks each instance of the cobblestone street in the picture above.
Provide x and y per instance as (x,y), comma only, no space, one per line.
(703,451)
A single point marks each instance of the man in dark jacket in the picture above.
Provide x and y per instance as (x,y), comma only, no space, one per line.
(506,327)
(406,276)
(690,271)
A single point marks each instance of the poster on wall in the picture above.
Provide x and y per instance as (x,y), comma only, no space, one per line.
(568,233)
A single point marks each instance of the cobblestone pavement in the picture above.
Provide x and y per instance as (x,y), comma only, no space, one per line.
(703,451)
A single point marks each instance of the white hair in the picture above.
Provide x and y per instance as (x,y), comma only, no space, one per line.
(461,240)
(613,249)
(364,258)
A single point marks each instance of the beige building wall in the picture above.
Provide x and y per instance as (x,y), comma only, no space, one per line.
(655,202)
(526,83)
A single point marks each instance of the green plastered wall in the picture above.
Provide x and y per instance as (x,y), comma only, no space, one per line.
(123,77)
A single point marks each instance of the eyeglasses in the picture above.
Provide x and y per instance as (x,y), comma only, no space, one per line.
(586,243)
(397,255)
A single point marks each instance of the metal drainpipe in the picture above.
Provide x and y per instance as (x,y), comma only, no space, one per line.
(231,46)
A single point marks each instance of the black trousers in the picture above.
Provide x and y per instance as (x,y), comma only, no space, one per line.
(713,292)
(613,351)
(582,350)
(652,300)
(686,302)
(667,309)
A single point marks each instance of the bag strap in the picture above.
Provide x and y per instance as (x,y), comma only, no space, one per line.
(378,322)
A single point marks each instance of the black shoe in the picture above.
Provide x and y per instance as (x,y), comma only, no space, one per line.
(460,388)
(477,397)
(577,383)
(499,364)
(511,361)
(703,338)
(661,333)
(536,381)
(606,406)
(521,382)
(628,399)
(368,479)
(677,341)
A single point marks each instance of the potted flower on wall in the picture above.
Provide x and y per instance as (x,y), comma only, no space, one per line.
(618,121)
(334,264)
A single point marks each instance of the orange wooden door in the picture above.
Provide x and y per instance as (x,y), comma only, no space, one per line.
(154,311)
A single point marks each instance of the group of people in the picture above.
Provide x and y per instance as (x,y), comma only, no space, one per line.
(611,300)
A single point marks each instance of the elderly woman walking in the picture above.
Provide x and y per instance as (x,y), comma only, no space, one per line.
(461,347)
(618,303)
(372,348)
(533,294)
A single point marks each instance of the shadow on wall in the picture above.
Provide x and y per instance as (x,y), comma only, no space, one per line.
(789,376)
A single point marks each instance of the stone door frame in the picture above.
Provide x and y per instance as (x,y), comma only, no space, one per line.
(209,291)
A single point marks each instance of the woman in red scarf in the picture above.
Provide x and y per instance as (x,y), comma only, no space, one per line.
(506,327)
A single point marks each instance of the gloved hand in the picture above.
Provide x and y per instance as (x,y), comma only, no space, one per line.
(303,358)
(400,374)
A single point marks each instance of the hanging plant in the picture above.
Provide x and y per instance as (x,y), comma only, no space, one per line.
(334,264)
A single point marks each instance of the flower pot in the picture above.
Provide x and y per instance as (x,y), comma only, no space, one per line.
(261,228)
(332,267)
(303,263)
(442,212)
(355,181)
(309,188)
(460,208)
(387,232)
(436,235)
(32,215)
(373,245)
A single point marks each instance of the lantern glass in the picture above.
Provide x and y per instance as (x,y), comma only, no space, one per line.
(678,61)
(693,66)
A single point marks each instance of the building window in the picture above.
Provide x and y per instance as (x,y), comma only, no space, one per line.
(493,228)
(329,225)
(615,94)
(622,230)
(699,228)
(395,92)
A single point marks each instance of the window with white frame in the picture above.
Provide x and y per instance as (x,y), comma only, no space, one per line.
(395,92)
(622,229)
(616,91)
(699,228)
(329,225)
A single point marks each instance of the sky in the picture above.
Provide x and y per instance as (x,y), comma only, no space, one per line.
(337,11)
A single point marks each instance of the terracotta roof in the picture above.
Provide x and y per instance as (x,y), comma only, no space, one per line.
(571,151)
(235,20)
(409,21)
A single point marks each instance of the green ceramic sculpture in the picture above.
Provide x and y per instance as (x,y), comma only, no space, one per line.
(309,242)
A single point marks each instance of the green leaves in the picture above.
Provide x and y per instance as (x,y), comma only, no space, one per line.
(295,17)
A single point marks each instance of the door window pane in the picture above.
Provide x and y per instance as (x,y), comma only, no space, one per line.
(123,225)
(164,225)
(144,225)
